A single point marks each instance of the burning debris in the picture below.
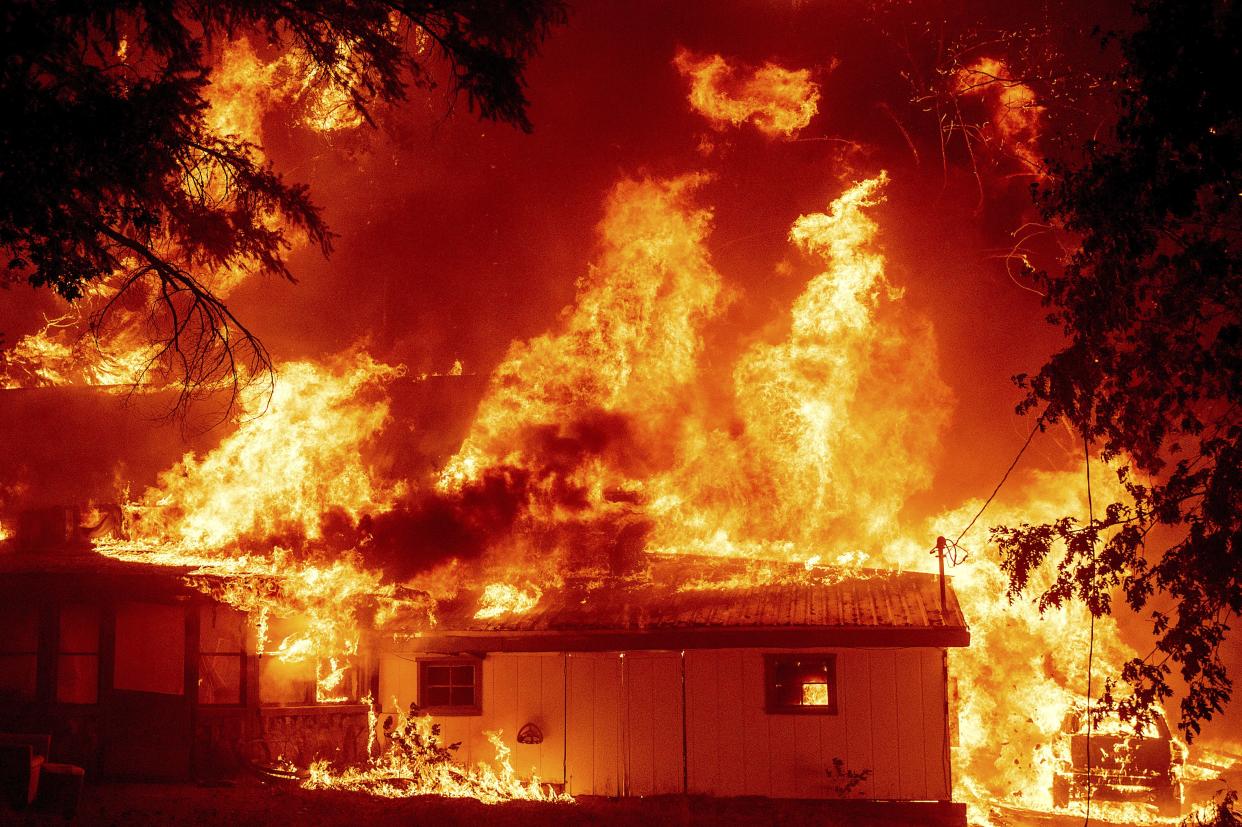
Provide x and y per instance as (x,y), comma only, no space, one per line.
(416,761)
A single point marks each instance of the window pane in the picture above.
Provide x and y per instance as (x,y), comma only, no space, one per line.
(286,683)
(79,629)
(18,676)
(19,630)
(150,648)
(815,694)
(801,682)
(221,629)
(77,679)
(219,679)
(437,675)
(436,696)
(463,676)
(462,696)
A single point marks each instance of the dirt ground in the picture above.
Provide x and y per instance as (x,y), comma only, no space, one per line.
(254,802)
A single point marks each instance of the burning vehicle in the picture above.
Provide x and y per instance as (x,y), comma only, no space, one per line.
(1119,762)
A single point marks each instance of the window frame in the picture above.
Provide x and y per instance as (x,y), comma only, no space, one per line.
(772,705)
(240,654)
(450,709)
(61,653)
(11,653)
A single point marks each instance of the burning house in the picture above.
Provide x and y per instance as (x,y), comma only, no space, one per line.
(617,485)
(801,683)
(807,686)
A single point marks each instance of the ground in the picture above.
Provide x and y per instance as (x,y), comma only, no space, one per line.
(252,802)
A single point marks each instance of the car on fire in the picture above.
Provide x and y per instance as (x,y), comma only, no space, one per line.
(1139,763)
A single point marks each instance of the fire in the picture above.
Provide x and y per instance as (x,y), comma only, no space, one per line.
(779,102)
(630,345)
(830,423)
(838,420)
(504,598)
(1015,111)
(416,763)
(284,470)
(280,475)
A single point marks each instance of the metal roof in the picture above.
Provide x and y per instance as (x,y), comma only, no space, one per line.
(701,601)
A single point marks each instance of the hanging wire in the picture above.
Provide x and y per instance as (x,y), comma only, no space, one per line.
(1038,425)
(955,546)
(1086,453)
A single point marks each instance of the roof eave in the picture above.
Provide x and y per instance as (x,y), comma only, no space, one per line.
(678,638)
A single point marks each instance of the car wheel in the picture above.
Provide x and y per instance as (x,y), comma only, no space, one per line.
(1169,800)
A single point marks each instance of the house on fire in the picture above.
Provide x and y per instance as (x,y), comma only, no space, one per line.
(686,680)
(682,679)
(679,674)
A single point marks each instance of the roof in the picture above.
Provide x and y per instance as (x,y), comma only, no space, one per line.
(698,602)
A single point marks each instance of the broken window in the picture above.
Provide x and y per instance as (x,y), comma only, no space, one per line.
(77,656)
(449,686)
(287,666)
(19,653)
(801,683)
(221,655)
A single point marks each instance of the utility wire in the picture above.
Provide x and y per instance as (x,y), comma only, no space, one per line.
(1086,455)
(1038,424)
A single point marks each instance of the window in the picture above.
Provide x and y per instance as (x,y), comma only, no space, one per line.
(221,655)
(449,687)
(286,679)
(19,653)
(77,658)
(801,684)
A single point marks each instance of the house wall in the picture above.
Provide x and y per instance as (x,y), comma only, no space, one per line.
(891,724)
(613,723)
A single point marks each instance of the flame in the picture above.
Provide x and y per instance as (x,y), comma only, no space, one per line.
(279,475)
(504,599)
(282,471)
(815,694)
(630,344)
(417,764)
(779,102)
(1015,112)
(837,424)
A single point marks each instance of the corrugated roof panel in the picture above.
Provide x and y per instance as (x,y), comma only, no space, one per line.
(677,593)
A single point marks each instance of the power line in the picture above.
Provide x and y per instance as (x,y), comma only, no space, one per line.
(1038,426)
(1086,454)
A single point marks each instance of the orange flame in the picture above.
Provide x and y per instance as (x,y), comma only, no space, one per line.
(1015,112)
(779,102)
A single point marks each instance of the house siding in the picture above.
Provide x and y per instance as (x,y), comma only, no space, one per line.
(891,722)
(613,723)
